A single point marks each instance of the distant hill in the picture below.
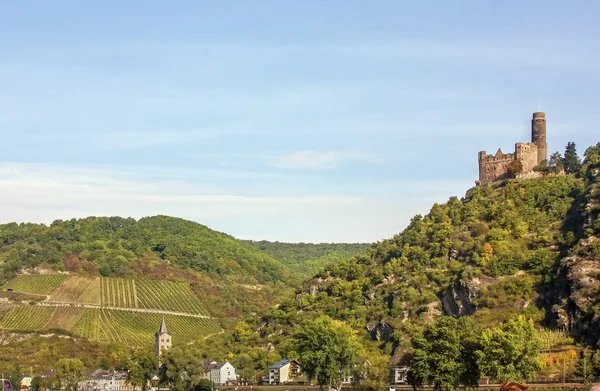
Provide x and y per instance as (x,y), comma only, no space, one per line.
(304,260)
(110,280)
(116,246)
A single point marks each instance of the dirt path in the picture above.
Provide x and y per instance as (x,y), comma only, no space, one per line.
(146,310)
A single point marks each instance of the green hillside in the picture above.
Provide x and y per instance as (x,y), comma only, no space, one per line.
(528,247)
(304,260)
(116,247)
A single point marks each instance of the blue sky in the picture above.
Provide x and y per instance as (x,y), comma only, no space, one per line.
(281,120)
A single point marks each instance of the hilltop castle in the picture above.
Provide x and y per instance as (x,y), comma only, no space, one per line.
(495,167)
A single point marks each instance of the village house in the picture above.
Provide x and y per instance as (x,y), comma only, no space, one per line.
(220,373)
(283,371)
(106,381)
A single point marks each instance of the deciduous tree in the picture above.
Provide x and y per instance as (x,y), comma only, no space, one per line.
(141,367)
(510,351)
(326,349)
(69,372)
(444,354)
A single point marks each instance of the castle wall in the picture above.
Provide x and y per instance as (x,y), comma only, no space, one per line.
(527,154)
(493,167)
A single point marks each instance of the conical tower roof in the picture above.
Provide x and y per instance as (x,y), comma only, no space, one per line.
(163,328)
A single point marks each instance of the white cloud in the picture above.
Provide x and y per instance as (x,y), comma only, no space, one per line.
(313,160)
(43,193)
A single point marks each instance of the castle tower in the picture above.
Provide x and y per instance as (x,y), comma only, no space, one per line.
(538,135)
(163,338)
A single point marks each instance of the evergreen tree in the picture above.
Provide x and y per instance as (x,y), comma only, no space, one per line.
(571,162)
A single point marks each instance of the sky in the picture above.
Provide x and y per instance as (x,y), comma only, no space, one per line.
(304,120)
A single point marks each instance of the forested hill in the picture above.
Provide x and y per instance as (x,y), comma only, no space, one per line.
(114,246)
(526,247)
(304,260)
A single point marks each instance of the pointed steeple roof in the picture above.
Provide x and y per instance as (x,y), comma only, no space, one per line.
(163,327)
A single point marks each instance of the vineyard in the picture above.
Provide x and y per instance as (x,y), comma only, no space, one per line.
(111,292)
(118,292)
(35,283)
(71,289)
(27,318)
(107,325)
(102,308)
(169,296)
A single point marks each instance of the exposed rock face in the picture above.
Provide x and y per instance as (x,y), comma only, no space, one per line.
(458,301)
(380,331)
(576,303)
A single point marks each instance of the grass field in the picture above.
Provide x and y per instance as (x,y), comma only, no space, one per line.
(107,325)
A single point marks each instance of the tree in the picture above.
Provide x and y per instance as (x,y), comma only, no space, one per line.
(555,163)
(204,385)
(182,368)
(510,351)
(444,354)
(141,367)
(583,366)
(571,161)
(36,383)
(374,373)
(15,378)
(515,167)
(326,349)
(69,372)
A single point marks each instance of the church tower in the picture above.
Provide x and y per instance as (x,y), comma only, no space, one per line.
(163,338)
(538,135)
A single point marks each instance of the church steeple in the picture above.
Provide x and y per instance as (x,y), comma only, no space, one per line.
(163,338)
(163,327)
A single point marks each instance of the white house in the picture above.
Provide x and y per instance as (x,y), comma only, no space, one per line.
(283,371)
(222,373)
(106,381)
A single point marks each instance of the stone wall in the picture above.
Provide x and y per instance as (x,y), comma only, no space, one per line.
(527,154)
(493,167)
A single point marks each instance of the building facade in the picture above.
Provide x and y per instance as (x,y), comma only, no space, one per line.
(163,340)
(283,371)
(222,373)
(495,167)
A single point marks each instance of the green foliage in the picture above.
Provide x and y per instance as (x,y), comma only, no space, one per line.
(36,383)
(182,368)
(326,350)
(373,371)
(510,351)
(69,371)
(15,378)
(444,355)
(140,369)
(114,246)
(204,385)
(304,260)
(571,161)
